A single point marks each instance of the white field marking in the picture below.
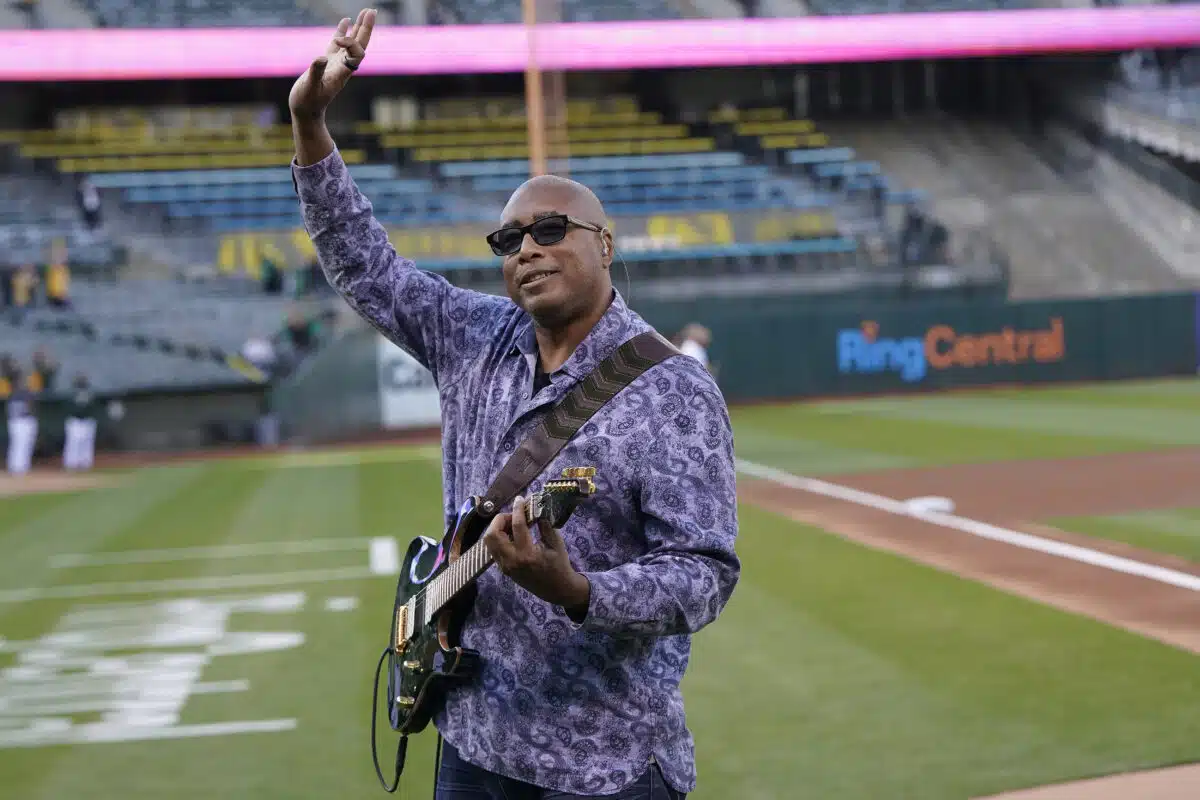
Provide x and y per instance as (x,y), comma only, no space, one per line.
(983,530)
(179,554)
(341,604)
(65,733)
(131,698)
(186,584)
(942,505)
(385,556)
(96,685)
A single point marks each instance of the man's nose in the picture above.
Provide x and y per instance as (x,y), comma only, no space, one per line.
(529,248)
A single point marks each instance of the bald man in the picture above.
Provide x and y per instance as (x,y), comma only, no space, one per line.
(584,633)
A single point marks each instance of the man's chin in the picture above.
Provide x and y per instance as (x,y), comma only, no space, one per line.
(548,310)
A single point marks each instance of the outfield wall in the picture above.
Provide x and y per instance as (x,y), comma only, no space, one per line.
(764,348)
(783,347)
(930,345)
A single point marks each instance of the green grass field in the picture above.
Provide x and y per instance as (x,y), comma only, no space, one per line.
(848,672)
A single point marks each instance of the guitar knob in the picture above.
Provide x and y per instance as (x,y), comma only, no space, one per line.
(413,665)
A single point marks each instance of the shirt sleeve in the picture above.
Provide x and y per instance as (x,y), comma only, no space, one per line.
(689,502)
(442,326)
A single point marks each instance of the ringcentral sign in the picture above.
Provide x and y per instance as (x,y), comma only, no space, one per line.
(941,347)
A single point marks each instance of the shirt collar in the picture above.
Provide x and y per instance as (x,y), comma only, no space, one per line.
(609,333)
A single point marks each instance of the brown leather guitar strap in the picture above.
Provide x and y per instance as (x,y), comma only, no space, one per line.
(584,399)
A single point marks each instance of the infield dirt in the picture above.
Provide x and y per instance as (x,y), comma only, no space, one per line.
(1018,496)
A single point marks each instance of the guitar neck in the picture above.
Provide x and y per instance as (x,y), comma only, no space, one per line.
(465,570)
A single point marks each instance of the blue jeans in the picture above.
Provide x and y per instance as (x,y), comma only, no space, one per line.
(458,780)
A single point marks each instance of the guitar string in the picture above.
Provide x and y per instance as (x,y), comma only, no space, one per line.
(416,598)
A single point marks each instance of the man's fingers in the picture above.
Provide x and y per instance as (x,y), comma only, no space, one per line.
(522,538)
(317,69)
(496,540)
(351,46)
(551,538)
(366,24)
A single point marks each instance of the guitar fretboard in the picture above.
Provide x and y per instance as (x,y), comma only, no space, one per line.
(469,566)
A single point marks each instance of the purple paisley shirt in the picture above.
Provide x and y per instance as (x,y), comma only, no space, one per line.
(580,708)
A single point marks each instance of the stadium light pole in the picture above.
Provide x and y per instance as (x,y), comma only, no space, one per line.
(535,111)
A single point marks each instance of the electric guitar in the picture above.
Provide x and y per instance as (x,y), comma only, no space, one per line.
(435,593)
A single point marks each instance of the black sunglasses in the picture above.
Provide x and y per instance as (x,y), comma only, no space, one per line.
(545,231)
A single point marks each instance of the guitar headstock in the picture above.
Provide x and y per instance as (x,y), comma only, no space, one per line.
(558,499)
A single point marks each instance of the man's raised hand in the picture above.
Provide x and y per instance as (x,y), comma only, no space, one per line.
(315,89)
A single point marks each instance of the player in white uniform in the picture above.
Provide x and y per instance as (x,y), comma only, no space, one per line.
(79,450)
(695,340)
(22,428)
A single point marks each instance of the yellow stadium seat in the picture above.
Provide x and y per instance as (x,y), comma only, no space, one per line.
(601,148)
(793,141)
(724,115)
(142,148)
(467,139)
(774,127)
(189,162)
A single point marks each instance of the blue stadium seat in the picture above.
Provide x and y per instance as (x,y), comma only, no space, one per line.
(600,179)
(220,177)
(819,155)
(801,247)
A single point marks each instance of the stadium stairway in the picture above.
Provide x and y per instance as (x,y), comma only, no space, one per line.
(1060,240)
(1169,225)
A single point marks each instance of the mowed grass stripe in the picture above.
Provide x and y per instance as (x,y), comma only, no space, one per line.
(233,506)
(1149,426)
(79,523)
(1181,394)
(76,522)
(1172,532)
(325,684)
(908,682)
(814,440)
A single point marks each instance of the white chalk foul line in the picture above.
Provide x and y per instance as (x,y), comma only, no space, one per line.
(180,554)
(973,527)
(186,584)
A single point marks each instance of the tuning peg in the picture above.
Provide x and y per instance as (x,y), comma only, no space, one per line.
(572,473)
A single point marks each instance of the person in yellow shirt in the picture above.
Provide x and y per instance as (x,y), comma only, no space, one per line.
(23,284)
(8,369)
(58,275)
(41,377)
(58,284)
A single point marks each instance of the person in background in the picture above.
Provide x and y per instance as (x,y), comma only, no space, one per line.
(8,371)
(88,198)
(300,332)
(694,341)
(44,373)
(58,276)
(79,450)
(24,282)
(7,274)
(21,411)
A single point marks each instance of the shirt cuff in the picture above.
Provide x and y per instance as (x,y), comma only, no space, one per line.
(589,613)
(307,181)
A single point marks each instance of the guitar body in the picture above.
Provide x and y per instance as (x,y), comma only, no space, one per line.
(432,661)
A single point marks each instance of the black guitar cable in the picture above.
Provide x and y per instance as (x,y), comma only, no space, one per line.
(402,747)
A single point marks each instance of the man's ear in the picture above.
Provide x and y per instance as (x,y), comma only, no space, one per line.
(606,247)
